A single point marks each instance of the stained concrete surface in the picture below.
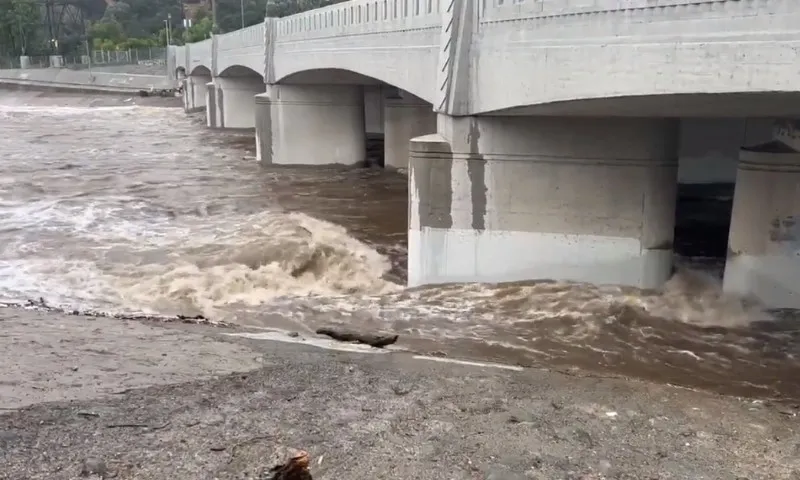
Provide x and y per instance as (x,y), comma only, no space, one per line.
(361,416)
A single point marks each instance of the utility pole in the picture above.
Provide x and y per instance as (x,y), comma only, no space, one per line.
(214,24)
(241,3)
(89,57)
(49,18)
(21,36)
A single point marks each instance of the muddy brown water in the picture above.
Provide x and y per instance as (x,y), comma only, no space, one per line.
(124,208)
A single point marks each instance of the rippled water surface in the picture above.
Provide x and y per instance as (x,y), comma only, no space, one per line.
(116,207)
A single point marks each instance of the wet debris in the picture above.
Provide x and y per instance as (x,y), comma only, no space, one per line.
(518,415)
(154,92)
(371,339)
(147,426)
(7,438)
(42,306)
(93,466)
(295,468)
(499,472)
(402,388)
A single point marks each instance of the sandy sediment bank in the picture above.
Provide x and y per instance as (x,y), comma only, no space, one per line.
(220,406)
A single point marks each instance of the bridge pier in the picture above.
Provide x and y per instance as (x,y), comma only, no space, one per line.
(195,93)
(373,109)
(405,117)
(312,125)
(263,121)
(212,116)
(234,98)
(764,241)
(512,198)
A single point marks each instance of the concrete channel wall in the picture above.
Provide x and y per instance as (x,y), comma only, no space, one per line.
(83,80)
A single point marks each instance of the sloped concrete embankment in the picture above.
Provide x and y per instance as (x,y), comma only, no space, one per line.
(82,80)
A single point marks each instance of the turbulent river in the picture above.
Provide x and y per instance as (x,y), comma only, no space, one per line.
(122,208)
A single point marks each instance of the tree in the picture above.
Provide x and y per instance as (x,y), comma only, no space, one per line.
(120,13)
(200,14)
(147,16)
(283,8)
(19,21)
(106,29)
(229,12)
(199,31)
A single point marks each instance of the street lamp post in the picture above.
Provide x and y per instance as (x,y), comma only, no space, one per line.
(241,5)
(214,25)
(89,57)
(166,29)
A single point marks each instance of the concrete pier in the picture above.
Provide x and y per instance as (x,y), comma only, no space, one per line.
(511,198)
(263,128)
(313,125)
(764,242)
(212,115)
(235,105)
(373,109)
(195,93)
(405,117)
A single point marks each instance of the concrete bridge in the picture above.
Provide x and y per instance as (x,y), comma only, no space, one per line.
(541,137)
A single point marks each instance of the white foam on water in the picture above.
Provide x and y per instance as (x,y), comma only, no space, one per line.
(164,266)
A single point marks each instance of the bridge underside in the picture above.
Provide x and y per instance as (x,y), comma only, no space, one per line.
(329,76)
(767,104)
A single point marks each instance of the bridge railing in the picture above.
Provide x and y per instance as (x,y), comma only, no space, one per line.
(362,16)
(252,36)
(494,10)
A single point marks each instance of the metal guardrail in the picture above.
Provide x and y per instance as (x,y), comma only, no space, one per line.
(136,56)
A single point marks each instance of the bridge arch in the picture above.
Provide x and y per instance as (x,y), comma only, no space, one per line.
(235,71)
(408,81)
(200,71)
(195,86)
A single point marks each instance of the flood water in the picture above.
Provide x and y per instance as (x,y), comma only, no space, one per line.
(114,207)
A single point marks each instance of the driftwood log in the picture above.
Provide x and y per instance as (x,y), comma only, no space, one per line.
(344,335)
